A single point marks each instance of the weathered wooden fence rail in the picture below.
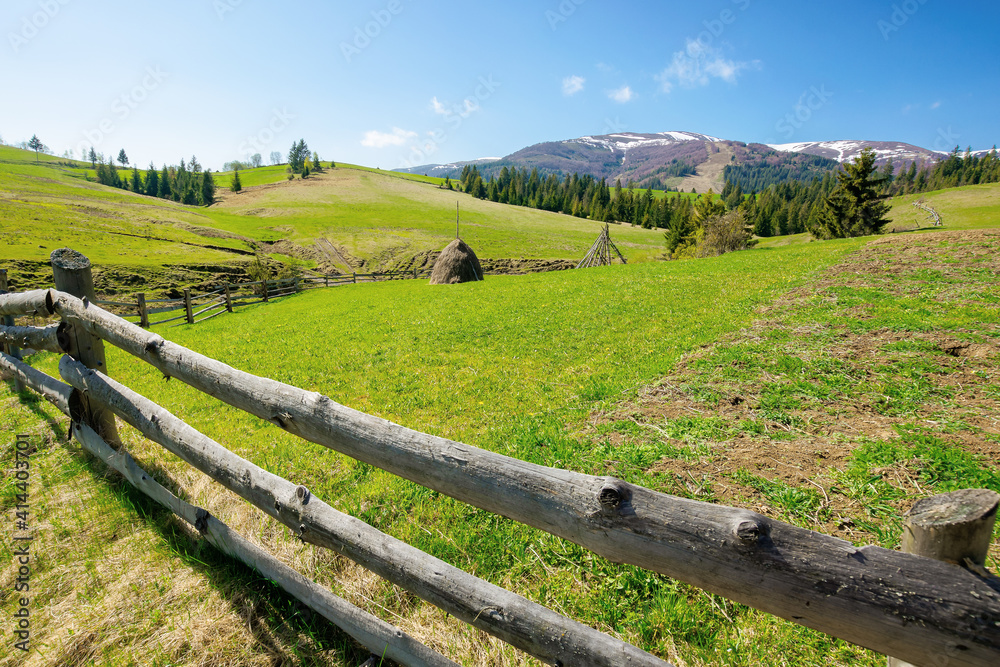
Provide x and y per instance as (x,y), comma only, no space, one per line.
(935,216)
(908,606)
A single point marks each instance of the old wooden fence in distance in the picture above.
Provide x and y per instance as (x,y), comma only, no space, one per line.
(915,608)
(200,306)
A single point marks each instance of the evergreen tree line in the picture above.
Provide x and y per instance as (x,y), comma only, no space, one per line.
(759,175)
(794,207)
(955,171)
(186,183)
(580,196)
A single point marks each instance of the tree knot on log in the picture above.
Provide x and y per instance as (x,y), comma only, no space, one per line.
(615,497)
(751,530)
(302,531)
(201,521)
(302,493)
(154,344)
(281,420)
(495,613)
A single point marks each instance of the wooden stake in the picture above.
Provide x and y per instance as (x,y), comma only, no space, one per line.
(189,316)
(955,528)
(229,298)
(71,273)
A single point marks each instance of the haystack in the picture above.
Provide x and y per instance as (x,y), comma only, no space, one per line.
(457,263)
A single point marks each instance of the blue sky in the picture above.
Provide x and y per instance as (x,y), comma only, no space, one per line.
(387,83)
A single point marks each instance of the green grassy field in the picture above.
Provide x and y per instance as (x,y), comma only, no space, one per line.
(381,220)
(513,364)
(846,358)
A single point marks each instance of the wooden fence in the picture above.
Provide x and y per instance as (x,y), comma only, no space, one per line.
(193,308)
(935,216)
(922,610)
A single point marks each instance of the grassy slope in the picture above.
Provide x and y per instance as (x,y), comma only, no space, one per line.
(50,205)
(505,364)
(382,218)
(385,219)
(968,207)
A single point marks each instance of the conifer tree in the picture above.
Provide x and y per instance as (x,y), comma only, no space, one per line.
(165,191)
(207,188)
(122,158)
(36,145)
(236,186)
(92,156)
(136,180)
(152,181)
(856,208)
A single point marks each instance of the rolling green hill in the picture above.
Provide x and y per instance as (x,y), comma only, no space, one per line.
(374,220)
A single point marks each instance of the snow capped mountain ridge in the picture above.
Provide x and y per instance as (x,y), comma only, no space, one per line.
(847,150)
(625,141)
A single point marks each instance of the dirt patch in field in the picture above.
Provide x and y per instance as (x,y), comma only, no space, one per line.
(816,383)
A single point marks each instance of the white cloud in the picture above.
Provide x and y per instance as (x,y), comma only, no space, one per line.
(437,106)
(571,85)
(936,105)
(398,137)
(698,64)
(621,95)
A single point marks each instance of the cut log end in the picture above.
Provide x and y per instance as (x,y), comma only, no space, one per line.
(69,260)
(955,508)
(953,527)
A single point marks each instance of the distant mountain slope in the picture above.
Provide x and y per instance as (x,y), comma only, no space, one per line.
(442,170)
(846,150)
(686,160)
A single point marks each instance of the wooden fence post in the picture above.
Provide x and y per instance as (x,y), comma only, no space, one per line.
(354,277)
(71,274)
(187,306)
(295,284)
(8,320)
(414,273)
(143,311)
(229,298)
(955,528)
(265,290)
(326,280)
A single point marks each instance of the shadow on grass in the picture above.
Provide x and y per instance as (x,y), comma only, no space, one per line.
(284,629)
